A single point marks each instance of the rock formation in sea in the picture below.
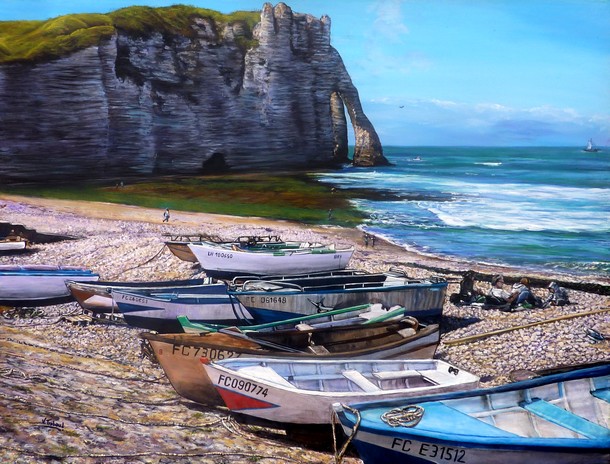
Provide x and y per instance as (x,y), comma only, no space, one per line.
(220,95)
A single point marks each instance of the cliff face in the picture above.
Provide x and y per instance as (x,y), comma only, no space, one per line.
(167,103)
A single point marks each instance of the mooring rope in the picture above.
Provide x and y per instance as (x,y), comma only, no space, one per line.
(147,261)
(409,416)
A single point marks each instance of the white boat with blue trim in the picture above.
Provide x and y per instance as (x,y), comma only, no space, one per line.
(159,312)
(38,284)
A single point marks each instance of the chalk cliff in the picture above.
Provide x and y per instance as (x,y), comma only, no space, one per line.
(222,96)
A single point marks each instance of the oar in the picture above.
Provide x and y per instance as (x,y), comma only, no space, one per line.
(472,338)
(265,343)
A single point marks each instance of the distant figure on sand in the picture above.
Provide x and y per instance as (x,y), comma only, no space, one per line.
(558,296)
(166,215)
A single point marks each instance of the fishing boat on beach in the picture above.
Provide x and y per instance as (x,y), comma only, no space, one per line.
(179,353)
(178,243)
(225,261)
(11,246)
(39,285)
(562,418)
(96,297)
(153,310)
(279,297)
(365,314)
(299,393)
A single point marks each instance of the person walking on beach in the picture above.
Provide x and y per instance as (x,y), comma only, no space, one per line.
(166,215)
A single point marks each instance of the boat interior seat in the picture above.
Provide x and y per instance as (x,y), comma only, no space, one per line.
(391,375)
(565,418)
(360,380)
(602,394)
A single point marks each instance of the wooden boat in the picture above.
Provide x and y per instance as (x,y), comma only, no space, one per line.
(97,296)
(9,246)
(179,354)
(39,285)
(280,297)
(289,393)
(152,310)
(224,260)
(361,314)
(561,418)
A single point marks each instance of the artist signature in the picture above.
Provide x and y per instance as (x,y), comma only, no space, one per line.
(51,423)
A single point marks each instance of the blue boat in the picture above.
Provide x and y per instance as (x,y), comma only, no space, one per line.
(561,418)
(39,285)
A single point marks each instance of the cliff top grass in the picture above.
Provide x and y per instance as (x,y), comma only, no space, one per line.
(34,41)
(298,198)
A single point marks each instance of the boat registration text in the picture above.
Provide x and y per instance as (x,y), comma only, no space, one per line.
(201,351)
(243,385)
(429,450)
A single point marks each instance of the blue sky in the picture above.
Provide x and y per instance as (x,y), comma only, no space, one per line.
(451,72)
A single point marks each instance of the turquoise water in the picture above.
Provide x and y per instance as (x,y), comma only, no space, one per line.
(540,208)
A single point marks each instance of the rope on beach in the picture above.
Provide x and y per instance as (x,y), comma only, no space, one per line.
(472,338)
(27,402)
(147,261)
(161,377)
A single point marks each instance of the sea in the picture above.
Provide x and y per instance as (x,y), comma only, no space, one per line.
(545,209)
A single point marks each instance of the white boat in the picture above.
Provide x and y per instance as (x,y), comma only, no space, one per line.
(223,260)
(39,285)
(97,296)
(154,311)
(12,245)
(275,298)
(287,393)
(561,418)
(590,147)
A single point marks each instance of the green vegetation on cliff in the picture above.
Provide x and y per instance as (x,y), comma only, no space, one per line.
(33,41)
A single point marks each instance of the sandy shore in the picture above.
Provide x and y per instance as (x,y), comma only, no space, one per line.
(84,393)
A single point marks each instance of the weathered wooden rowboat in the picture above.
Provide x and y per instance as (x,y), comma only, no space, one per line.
(149,309)
(97,296)
(39,285)
(300,393)
(280,297)
(360,314)
(561,418)
(179,354)
(222,260)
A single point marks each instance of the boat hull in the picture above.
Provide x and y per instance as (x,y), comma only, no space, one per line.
(422,301)
(39,285)
(97,296)
(561,418)
(181,251)
(222,262)
(303,391)
(160,313)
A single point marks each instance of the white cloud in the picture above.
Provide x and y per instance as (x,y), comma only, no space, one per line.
(389,21)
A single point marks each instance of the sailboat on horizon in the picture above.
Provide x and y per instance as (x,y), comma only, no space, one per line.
(590,147)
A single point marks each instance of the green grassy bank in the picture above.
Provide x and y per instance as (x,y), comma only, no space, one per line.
(295,198)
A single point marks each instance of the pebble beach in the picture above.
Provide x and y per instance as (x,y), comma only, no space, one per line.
(74,392)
